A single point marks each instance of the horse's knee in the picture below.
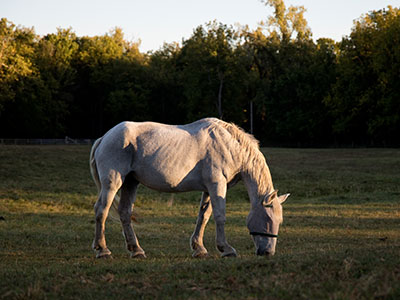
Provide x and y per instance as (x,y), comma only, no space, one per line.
(100,217)
(125,218)
(97,205)
(219,220)
(206,218)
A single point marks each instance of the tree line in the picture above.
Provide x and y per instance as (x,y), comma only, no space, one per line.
(275,81)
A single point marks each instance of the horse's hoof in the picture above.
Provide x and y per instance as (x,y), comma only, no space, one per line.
(104,253)
(200,254)
(199,251)
(231,254)
(140,255)
(105,256)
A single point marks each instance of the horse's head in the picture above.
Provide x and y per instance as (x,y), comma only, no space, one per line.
(263,222)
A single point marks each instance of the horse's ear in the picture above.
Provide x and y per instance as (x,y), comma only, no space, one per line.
(283,198)
(267,201)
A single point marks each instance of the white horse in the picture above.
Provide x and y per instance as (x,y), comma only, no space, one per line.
(208,155)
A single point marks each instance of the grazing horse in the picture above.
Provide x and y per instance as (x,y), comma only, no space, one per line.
(208,155)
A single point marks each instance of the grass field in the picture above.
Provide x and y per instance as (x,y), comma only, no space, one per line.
(340,238)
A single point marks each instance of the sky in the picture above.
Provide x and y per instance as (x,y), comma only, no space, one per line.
(155,22)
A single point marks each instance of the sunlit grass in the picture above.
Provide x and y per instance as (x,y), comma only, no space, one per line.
(340,238)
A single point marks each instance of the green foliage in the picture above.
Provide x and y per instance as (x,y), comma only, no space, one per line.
(287,21)
(109,70)
(290,80)
(365,97)
(339,238)
(15,59)
(299,91)
(165,85)
(207,61)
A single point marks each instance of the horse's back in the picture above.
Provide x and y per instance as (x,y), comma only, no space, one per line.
(163,157)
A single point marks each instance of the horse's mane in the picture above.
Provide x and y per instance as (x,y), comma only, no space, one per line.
(253,161)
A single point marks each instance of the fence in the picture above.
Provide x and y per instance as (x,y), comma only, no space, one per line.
(65,141)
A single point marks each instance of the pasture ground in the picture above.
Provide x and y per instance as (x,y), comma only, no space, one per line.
(340,238)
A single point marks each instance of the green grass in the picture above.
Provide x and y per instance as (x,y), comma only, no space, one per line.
(340,238)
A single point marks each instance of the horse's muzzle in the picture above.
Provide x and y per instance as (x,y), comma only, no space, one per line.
(265,252)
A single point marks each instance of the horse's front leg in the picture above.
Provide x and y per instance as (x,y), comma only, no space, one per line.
(217,194)
(196,241)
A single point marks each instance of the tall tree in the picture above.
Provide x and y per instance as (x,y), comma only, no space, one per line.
(18,81)
(16,50)
(165,85)
(102,62)
(206,58)
(289,100)
(287,22)
(365,99)
(54,58)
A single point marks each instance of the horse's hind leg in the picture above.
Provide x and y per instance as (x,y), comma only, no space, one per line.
(128,195)
(196,241)
(101,209)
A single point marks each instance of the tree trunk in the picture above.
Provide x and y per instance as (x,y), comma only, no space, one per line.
(251,116)
(221,84)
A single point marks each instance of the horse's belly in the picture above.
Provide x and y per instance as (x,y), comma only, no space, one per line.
(171,179)
(168,161)
(165,184)
(167,187)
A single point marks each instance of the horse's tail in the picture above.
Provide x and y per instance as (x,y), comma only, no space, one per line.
(93,167)
(96,179)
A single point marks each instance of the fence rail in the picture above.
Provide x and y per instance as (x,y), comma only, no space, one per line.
(64,141)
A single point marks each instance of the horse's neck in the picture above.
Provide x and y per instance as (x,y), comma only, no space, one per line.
(257,178)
